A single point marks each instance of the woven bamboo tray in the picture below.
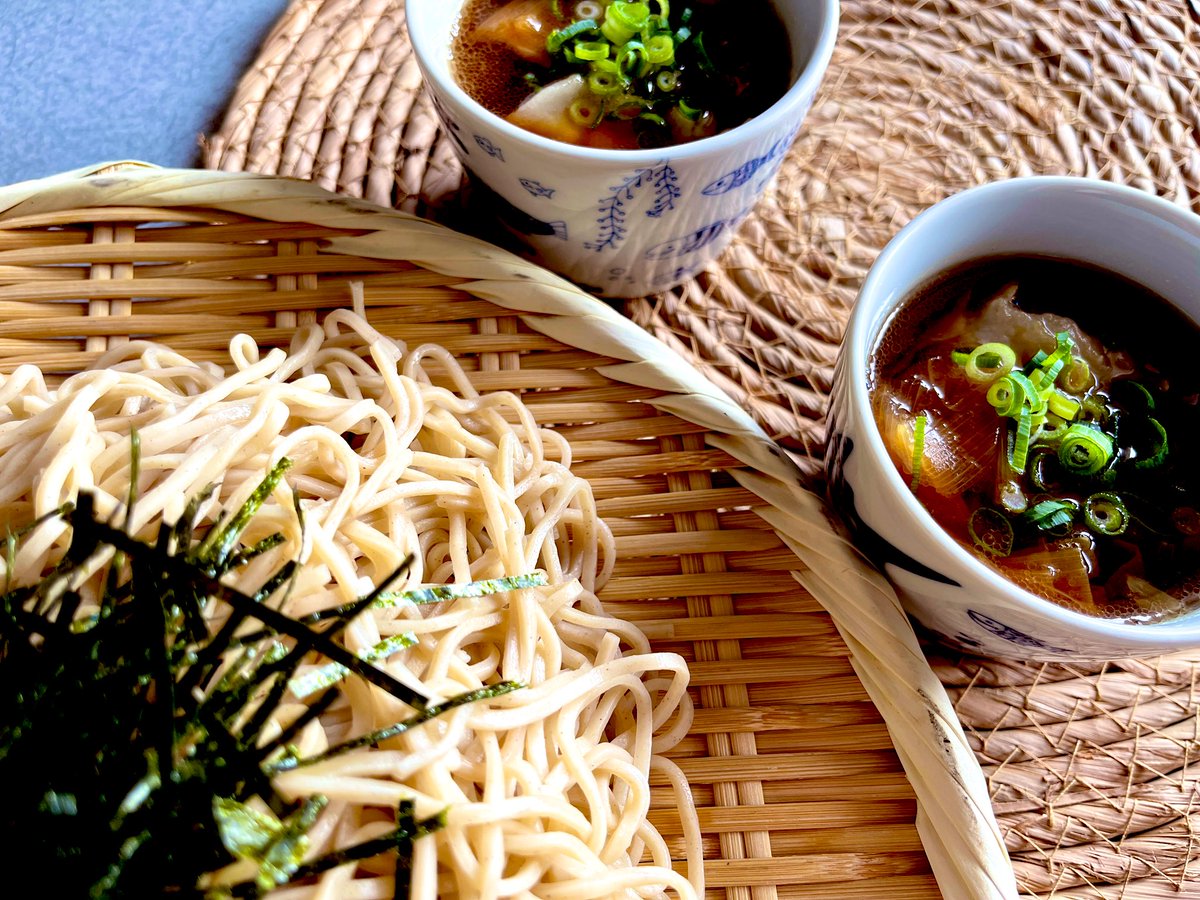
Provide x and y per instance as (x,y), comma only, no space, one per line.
(1091,769)
(723,557)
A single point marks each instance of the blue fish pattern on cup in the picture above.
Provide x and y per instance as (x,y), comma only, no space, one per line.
(1011,634)
(743,173)
(688,243)
(537,189)
(489,148)
(696,240)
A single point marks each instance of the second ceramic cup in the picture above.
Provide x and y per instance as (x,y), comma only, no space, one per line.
(624,223)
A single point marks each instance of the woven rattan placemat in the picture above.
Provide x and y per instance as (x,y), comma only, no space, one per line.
(1090,768)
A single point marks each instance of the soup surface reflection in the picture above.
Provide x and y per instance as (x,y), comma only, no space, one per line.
(1045,414)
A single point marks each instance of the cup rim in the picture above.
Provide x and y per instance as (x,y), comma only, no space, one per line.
(1176,633)
(779,112)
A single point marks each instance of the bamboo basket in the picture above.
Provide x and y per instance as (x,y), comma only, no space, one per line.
(723,556)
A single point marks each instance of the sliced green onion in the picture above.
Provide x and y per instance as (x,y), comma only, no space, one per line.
(615,31)
(666,80)
(653,118)
(632,60)
(664,8)
(1047,515)
(918,451)
(556,8)
(1095,409)
(660,50)
(1158,451)
(1062,406)
(703,60)
(592,50)
(1106,513)
(1076,375)
(990,531)
(1054,363)
(585,112)
(629,15)
(689,112)
(603,83)
(1021,443)
(987,362)
(556,39)
(682,35)
(589,9)
(960,357)
(1084,449)
(1009,394)
(1044,469)
(1053,429)
(1140,391)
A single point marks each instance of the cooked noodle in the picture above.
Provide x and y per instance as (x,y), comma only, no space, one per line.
(546,788)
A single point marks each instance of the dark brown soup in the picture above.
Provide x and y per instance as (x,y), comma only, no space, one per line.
(618,74)
(1045,413)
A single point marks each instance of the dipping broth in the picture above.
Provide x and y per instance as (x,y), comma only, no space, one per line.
(1045,414)
(622,75)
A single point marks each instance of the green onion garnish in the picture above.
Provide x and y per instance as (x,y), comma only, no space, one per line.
(1084,449)
(1062,406)
(1021,442)
(703,60)
(987,362)
(586,112)
(556,39)
(918,451)
(1076,376)
(1158,450)
(1044,469)
(1105,512)
(990,531)
(1048,515)
(1011,393)
(592,50)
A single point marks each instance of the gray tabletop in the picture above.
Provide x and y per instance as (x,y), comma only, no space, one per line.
(88,80)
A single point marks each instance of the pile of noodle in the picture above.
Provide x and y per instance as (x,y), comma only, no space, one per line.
(546,789)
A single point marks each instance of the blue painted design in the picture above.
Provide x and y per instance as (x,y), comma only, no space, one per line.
(453,129)
(743,173)
(1011,634)
(611,211)
(841,495)
(489,148)
(536,188)
(666,190)
(696,240)
(688,243)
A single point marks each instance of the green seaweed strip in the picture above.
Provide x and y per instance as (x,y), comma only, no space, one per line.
(219,542)
(331,673)
(391,731)
(439,593)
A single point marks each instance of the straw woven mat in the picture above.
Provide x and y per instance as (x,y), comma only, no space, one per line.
(1092,769)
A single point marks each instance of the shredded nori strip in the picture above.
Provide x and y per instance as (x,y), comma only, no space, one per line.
(123,760)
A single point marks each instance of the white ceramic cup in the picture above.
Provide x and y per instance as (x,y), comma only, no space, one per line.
(942,585)
(624,223)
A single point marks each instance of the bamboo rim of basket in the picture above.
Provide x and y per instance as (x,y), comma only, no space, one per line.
(955,818)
